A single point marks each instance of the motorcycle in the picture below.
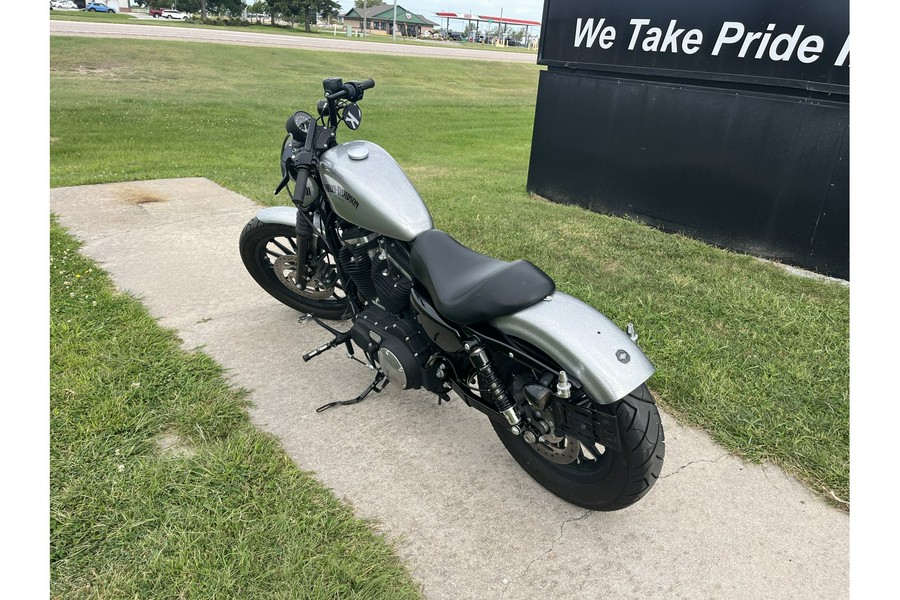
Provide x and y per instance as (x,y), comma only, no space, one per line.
(564,387)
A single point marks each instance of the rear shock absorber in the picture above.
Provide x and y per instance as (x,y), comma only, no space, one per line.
(489,378)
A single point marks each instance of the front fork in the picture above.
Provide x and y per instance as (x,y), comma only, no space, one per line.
(304,232)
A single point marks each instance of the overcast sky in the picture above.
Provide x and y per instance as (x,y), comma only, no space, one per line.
(520,9)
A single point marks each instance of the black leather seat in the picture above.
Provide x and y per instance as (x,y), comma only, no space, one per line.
(467,287)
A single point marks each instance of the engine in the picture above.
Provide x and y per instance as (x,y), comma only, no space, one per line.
(386,330)
(398,346)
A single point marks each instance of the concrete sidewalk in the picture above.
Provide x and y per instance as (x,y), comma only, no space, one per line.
(469,522)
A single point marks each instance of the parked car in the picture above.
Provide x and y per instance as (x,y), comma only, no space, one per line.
(174,14)
(97,7)
(64,4)
(155,12)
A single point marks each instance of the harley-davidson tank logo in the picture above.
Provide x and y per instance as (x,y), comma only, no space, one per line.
(342,193)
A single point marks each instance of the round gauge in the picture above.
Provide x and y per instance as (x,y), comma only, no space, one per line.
(297,125)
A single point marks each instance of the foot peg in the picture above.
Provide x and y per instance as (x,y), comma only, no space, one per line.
(341,338)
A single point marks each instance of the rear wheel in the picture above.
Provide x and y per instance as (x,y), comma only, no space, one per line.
(595,477)
(269,251)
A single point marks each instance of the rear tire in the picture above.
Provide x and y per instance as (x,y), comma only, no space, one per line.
(610,480)
(266,250)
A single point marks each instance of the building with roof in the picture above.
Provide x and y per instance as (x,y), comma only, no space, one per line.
(380,20)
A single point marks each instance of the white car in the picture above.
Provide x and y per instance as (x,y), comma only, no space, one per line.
(64,4)
(174,14)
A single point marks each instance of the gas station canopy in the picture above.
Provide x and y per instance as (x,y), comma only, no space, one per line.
(486,19)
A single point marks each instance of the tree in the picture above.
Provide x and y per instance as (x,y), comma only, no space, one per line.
(329,9)
(321,7)
(288,9)
(271,9)
(233,7)
(259,7)
(185,6)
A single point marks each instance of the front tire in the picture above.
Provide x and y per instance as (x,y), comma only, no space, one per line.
(598,478)
(268,250)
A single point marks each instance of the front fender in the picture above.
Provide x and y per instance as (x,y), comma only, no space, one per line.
(284,215)
(588,345)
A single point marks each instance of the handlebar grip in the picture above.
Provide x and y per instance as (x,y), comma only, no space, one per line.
(367,84)
(300,185)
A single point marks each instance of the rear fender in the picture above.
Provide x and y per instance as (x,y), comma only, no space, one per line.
(590,347)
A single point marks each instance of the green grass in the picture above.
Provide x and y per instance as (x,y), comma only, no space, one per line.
(160,487)
(754,355)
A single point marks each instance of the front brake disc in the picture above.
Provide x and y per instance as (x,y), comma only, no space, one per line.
(285,266)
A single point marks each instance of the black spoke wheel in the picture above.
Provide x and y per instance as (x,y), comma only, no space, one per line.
(269,251)
(596,477)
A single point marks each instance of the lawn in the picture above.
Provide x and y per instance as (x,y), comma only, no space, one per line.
(754,355)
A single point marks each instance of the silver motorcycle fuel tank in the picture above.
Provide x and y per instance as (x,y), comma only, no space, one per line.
(367,187)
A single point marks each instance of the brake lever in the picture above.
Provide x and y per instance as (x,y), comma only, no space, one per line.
(283,183)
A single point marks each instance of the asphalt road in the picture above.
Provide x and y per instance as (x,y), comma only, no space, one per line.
(467,520)
(324,43)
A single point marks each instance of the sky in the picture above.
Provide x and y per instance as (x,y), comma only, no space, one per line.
(520,9)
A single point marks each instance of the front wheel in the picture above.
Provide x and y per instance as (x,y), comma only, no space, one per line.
(269,251)
(598,478)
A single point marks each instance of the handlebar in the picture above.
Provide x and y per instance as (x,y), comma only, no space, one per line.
(352,90)
(304,160)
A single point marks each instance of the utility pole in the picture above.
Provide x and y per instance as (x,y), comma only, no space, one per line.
(394,32)
(365,10)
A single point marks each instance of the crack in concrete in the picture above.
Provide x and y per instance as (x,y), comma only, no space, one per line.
(694,462)
(562,526)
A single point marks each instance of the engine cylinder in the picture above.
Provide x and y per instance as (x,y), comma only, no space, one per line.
(356,262)
(391,287)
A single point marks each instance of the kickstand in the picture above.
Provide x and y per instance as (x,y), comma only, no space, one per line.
(373,387)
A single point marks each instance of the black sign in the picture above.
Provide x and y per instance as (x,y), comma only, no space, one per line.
(800,43)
